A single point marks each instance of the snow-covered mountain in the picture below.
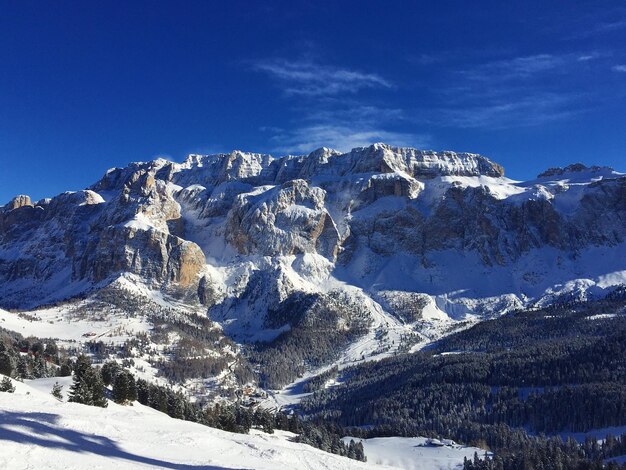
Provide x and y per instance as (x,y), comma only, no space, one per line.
(386,247)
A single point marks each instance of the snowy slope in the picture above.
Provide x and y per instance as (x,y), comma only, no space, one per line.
(37,431)
(416,453)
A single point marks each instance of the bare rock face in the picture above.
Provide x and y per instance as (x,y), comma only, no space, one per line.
(78,239)
(154,255)
(18,201)
(574,168)
(138,233)
(390,184)
(286,220)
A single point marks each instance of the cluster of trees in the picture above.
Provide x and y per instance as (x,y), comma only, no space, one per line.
(558,369)
(328,439)
(124,388)
(179,369)
(239,419)
(30,358)
(194,354)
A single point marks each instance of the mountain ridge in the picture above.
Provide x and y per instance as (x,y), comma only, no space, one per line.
(378,239)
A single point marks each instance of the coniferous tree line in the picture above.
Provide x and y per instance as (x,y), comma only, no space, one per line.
(549,370)
(556,454)
(228,417)
(90,384)
(239,419)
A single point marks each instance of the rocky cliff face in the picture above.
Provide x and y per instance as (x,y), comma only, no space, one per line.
(216,229)
(58,247)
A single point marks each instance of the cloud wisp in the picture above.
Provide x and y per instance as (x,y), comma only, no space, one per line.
(511,92)
(516,68)
(610,26)
(307,78)
(532,110)
(515,92)
(331,108)
(342,137)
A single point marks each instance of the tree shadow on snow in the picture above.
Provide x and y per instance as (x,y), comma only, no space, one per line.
(39,429)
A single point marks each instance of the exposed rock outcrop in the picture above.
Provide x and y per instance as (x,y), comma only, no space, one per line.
(287,220)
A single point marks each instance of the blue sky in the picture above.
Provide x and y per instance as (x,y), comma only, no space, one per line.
(86,85)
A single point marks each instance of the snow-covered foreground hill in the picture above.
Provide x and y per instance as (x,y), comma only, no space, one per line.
(37,431)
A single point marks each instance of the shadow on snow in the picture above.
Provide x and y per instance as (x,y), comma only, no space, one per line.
(38,429)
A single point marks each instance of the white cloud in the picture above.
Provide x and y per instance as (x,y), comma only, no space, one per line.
(619,68)
(610,26)
(515,92)
(526,111)
(588,57)
(342,137)
(331,115)
(517,68)
(303,77)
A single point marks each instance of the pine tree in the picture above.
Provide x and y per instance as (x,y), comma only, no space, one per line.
(360,452)
(98,390)
(124,388)
(56,391)
(82,366)
(80,391)
(37,348)
(6,385)
(7,363)
(143,392)
(23,370)
(66,369)
(88,387)
(51,349)
(175,406)
(39,367)
(109,372)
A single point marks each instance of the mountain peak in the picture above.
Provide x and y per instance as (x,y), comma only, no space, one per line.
(578,169)
(385,158)
(18,201)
